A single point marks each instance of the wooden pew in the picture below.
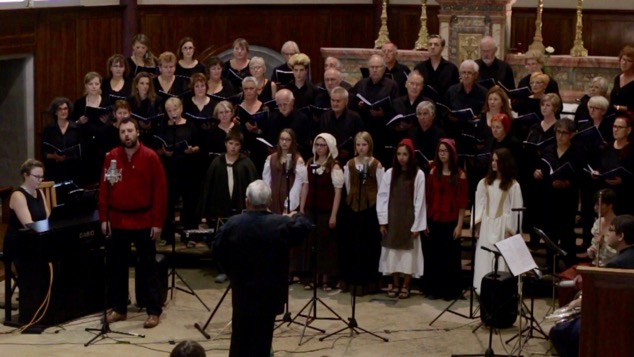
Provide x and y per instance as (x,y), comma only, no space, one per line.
(607,312)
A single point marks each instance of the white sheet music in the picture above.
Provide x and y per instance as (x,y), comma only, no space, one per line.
(516,253)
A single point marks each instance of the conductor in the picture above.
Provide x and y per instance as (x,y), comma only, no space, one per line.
(253,249)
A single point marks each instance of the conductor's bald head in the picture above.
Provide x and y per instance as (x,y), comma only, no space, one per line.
(258,196)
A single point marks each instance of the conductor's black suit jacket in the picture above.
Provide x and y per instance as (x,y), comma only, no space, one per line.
(253,249)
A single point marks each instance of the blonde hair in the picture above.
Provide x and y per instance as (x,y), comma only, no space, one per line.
(167,57)
(299,59)
(89,77)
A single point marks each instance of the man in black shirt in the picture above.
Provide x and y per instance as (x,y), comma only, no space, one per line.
(342,123)
(397,71)
(374,88)
(438,73)
(288,117)
(492,69)
(253,248)
(463,95)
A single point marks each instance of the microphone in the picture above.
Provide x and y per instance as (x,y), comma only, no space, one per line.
(364,172)
(112,174)
(289,157)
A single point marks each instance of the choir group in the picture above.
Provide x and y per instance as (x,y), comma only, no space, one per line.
(385,168)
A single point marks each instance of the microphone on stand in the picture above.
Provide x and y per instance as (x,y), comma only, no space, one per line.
(112,174)
(364,170)
(287,166)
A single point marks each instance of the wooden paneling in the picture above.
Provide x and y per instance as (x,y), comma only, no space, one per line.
(404,24)
(604,32)
(17,33)
(312,27)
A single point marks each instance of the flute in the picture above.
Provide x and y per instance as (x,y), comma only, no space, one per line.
(600,238)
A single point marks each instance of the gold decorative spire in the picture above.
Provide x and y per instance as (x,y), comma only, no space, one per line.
(537,39)
(578,50)
(421,43)
(383,32)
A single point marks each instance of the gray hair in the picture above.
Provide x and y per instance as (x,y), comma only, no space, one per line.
(427,105)
(338,64)
(290,45)
(602,83)
(259,194)
(599,101)
(470,63)
(339,90)
(380,58)
(284,93)
(257,61)
(252,80)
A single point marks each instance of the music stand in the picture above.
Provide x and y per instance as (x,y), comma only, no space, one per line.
(557,252)
(219,222)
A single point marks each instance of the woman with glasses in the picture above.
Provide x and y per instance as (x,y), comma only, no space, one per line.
(289,49)
(557,181)
(266,87)
(61,143)
(598,87)
(187,64)
(615,168)
(285,194)
(622,95)
(321,202)
(26,205)
(447,194)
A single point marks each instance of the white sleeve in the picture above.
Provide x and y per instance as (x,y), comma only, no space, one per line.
(383,197)
(420,208)
(480,197)
(515,201)
(336,175)
(380,172)
(346,178)
(301,177)
(266,173)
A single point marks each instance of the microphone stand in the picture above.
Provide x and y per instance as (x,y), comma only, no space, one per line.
(311,316)
(105,326)
(286,318)
(489,351)
(173,271)
(352,321)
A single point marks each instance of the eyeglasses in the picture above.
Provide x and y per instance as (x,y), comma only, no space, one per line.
(288,140)
(619,127)
(39,177)
(317,145)
(443,151)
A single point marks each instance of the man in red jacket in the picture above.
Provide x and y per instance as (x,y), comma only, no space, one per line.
(132,208)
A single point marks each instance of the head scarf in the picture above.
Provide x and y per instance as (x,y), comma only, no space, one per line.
(451,143)
(331,142)
(407,142)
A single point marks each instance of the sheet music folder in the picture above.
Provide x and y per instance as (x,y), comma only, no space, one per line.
(516,254)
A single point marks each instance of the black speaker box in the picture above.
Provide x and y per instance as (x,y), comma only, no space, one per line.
(498,300)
